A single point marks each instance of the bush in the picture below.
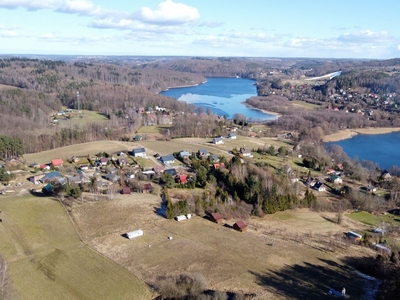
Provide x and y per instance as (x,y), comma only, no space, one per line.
(180,286)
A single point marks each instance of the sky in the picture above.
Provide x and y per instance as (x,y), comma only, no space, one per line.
(252,28)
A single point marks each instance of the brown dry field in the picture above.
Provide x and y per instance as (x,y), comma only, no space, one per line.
(152,147)
(288,255)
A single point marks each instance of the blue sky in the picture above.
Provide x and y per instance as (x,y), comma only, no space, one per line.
(253,28)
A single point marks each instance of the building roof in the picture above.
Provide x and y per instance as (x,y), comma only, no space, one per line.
(158,169)
(217,217)
(240,225)
(171,172)
(167,158)
(57,162)
(183,178)
(139,150)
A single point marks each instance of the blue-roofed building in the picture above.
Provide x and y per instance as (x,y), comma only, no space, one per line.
(167,159)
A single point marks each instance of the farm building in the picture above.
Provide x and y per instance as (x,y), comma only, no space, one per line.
(134,234)
(216,218)
(240,226)
(139,152)
(232,136)
(354,236)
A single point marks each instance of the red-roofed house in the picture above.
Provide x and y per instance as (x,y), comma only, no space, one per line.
(45,167)
(219,165)
(240,226)
(182,178)
(57,162)
(216,218)
(158,169)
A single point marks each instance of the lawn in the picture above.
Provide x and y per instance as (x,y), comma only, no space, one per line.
(86,116)
(152,129)
(373,220)
(48,261)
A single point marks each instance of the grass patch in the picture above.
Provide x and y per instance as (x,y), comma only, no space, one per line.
(373,220)
(305,105)
(48,259)
(152,129)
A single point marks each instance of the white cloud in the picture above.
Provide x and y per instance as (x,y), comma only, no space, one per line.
(167,12)
(30,4)
(81,7)
(8,33)
(365,36)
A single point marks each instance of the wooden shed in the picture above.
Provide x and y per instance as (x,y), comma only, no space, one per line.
(240,226)
(216,218)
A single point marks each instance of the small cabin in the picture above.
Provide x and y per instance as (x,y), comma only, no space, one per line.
(240,226)
(354,236)
(216,218)
(134,234)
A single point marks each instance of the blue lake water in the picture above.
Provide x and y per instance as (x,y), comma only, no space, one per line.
(223,96)
(382,149)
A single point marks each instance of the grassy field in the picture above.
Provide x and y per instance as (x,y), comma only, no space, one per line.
(86,116)
(305,105)
(373,220)
(48,261)
(152,129)
(278,257)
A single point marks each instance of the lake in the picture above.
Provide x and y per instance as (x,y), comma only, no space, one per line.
(223,96)
(382,149)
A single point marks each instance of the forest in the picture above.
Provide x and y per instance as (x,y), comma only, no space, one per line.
(33,90)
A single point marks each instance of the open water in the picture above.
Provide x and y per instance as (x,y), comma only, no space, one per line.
(223,96)
(382,149)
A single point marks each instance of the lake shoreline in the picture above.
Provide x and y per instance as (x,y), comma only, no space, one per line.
(277,115)
(349,133)
(182,86)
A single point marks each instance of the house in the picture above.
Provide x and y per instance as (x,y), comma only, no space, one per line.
(184,154)
(158,169)
(167,159)
(216,218)
(218,165)
(57,162)
(122,161)
(171,172)
(147,188)
(35,179)
(232,136)
(330,171)
(126,191)
(44,167)
(139,152)
(134,234)
(182,178)
(246,152)
(319,186)
(336,179)
(215,158)
(218,141)
(355,237)
(137,138)
(104,161)
(112,177)
(84,167)
(180,218)
(202,153)
(370,189)
(385,175)
(52,176)
(240,226)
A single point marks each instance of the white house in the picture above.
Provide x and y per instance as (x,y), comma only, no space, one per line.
(180,218)
(246,152)
(218,141)
(167,159)
(232,136)
(139,152)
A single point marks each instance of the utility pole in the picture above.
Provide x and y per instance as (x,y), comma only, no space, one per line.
(79,104)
